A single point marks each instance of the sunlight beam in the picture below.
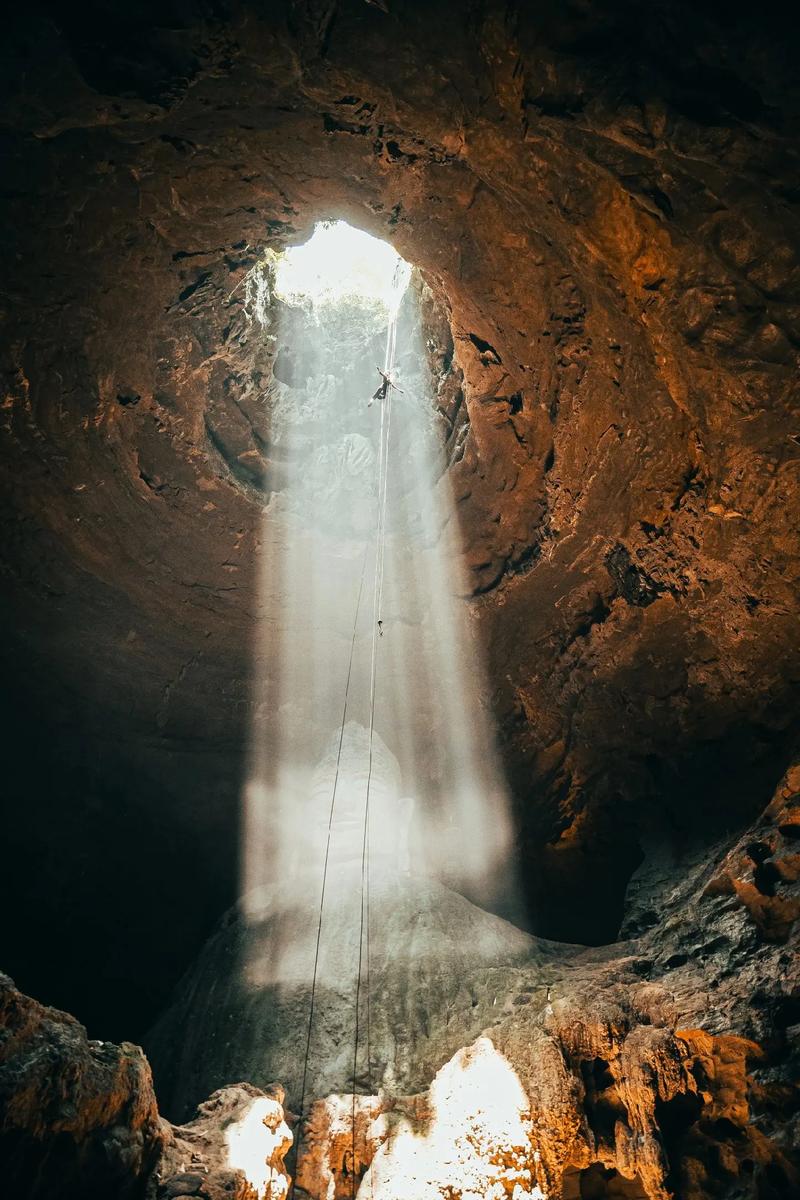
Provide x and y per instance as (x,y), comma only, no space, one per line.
(361,573)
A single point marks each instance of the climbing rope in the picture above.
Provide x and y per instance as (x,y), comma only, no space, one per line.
(325,871)
(377,630)
(382,528)
(364,923)
(391,346)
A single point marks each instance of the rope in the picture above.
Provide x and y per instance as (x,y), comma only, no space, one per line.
(391,345)
(383,473)
(380,540)
(325,873)
(380,565)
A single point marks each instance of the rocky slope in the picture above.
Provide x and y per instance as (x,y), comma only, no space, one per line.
(664,1066)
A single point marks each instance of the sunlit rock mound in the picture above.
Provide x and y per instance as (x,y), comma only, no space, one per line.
(436,968)
(663,1066)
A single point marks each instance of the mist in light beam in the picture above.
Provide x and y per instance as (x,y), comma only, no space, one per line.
(372,754)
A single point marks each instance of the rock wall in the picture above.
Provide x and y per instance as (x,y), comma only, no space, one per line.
(78,1118)
(604,200)
(505,1123)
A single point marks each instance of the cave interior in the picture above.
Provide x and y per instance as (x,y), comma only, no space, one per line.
(594,445)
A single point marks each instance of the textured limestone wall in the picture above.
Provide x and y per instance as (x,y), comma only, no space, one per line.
(78,1118)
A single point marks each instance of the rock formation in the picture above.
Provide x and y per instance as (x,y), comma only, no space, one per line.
(78,1119)
(601,202)
(663,1065)
(664,1114)
(242,1011)
(232,1150)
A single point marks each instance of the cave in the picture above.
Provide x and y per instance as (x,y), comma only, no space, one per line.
(399,455)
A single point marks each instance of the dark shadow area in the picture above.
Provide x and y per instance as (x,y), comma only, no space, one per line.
(598,1182)
(673,806)
(119,851)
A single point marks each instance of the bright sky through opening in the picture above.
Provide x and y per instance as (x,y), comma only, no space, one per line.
(339,261)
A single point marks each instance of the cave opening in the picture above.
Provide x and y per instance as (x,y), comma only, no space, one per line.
(340,262)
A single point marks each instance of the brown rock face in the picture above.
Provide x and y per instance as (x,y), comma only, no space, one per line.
(763,873)
(78,1118)
(499,1122)
(602,200)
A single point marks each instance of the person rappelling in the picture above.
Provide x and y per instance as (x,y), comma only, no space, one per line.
(382,389)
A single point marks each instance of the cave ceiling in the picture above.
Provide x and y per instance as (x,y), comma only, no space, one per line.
(602,199)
